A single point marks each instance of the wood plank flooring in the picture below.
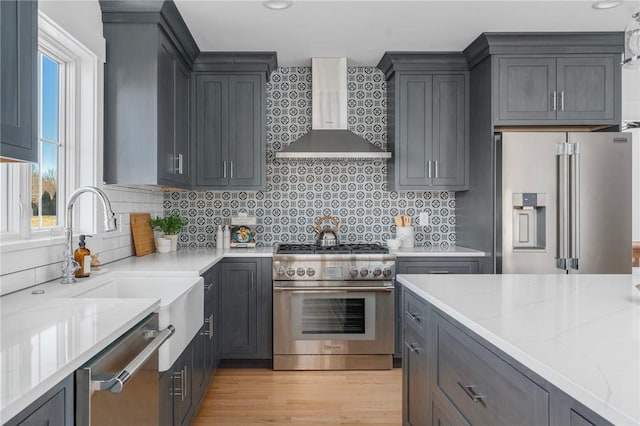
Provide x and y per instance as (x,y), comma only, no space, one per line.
(258,396)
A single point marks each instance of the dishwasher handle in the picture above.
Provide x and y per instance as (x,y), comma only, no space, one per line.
(116,383)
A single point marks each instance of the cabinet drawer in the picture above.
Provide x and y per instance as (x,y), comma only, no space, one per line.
(439,267)
(444,413)
(486,389)
(415,313)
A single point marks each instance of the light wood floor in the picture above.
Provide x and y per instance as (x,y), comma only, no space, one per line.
(258,396)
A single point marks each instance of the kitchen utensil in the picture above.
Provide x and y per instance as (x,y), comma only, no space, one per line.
(406,236)
(142,233)
(406,220)
(326,235)
(398,220)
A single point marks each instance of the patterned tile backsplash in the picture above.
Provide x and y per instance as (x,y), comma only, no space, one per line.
(299,192)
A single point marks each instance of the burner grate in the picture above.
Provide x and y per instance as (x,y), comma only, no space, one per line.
(366,248)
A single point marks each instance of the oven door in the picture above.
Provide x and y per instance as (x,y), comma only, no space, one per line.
(324,318)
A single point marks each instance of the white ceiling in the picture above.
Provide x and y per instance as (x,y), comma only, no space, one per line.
(363,30)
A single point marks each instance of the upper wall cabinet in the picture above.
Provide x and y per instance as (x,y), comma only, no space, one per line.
(552,78)
(427,103)
(229,120)
(19,96)
(562,88)
(150,53)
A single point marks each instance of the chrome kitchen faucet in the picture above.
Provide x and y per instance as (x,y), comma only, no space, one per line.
(69,265)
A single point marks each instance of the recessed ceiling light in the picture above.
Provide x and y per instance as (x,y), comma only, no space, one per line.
(277,4)
(606,4)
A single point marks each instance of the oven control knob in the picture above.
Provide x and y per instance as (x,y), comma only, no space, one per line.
(281,271)
(353,272)
(364,272)
(300,272)
(311,272)
(377,272)
(291,272)
(386,272)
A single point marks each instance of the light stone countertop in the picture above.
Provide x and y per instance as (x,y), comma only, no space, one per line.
(579,332)
(455,251)
(43,343)
(37,349)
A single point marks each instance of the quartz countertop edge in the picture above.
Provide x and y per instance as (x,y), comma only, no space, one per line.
(116,317)
(481,287)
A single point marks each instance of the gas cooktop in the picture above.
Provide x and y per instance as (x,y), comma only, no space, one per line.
(366,248)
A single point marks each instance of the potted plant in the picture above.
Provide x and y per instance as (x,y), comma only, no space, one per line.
(170,226)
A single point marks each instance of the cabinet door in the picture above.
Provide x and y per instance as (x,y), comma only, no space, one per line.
(18,62)
(586,88)
(399,312)
(212,116)
(54,408)
(449,131)
(415,380)
(526,89)
(183,386)
(239,337)
(166,110)
(181,141)
(200,375)
(415,139)
(246,145)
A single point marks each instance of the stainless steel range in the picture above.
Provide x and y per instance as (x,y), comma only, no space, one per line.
(333,307)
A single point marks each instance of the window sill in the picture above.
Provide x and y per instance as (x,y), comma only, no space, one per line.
(18,245)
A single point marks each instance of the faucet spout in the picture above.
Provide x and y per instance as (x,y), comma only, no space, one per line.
(69,265)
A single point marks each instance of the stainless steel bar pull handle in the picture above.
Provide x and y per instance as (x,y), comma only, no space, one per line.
(415,317)
(117,382)
(471,393)
(554,96)
(436,167)
(311,290)
(429,169)
(562,216)
(562,100)
(413,347)
(224,169)
(574,206)
(179,163)
(231,168)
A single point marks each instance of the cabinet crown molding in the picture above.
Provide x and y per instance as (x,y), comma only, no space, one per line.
(392,62)
(160,12)
(227,62)
(544,43)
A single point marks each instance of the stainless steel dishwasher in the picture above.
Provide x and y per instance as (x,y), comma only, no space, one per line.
(120,386)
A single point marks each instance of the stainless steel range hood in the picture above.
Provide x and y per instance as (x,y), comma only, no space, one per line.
(329,137)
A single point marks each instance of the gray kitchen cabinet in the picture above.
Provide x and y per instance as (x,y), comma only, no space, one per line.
(428,120)
(54,408)
(245,314)
(230,131)
(146,130)
(423,265)
(18,75)
(462,379)
(177,403)
(415,368)
(206,353)
(555,90)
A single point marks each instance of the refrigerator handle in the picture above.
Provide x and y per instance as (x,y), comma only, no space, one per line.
(574,205)
(562,218)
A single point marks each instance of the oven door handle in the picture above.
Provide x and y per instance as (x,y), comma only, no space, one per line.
(332,289)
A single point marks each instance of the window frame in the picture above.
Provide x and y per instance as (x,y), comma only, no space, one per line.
(79,94)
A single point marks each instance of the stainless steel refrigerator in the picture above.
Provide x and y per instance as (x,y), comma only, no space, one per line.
(565,202)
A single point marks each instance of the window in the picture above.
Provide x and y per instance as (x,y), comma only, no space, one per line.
(47,177)
(33,196)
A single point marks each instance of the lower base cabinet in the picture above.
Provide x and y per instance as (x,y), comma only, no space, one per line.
(54,408)
(453,377)
(176,390)
(246,310)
